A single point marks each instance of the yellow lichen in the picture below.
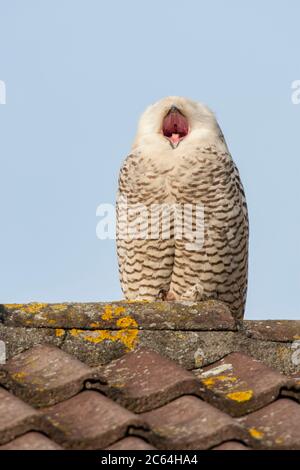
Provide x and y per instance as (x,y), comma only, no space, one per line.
(256,433)
(111,312)
(13,306)
(19,376)
(127,337)
(126,334)
(59,307)
(75,332)
(296,337)
(126,322)
(95,325)
(119,310)
(27,308)
(96,336)
(240,396)
(211,381)
(34,308)
(59,332)
(108,313)
(279,440)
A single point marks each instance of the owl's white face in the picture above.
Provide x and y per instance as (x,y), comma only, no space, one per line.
(175,123)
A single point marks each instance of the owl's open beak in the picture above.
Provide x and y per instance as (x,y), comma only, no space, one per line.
(175,126)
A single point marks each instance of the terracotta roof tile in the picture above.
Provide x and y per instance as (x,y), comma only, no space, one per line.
(143,380)
(88,421)
(231,445)
(292,389)
(273,330)
(31,441)
(239,384)
(275,426)
(125,380)
(45,375)
(131,443)
(189,423)
(16,417)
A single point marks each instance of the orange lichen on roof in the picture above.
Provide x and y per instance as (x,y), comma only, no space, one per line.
(229,382)
(240,396)
(256,433)
(126,322)
(59,307)
(75,332)
(32,308)
(95,324)
(211,381)
(59,332)
(126,336)
(13,306)
(111,312)
(19,376)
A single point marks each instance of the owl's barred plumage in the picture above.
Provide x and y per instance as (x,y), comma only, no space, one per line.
(168,167)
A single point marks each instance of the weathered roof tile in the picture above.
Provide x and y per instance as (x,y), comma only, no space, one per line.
(88,421)
(131,443)
(292,389)
(239,384)
(272,330)
(45,375)
(31,441)
(275,426)
(236,403)
(231,445)
(143,380)
(189,423)
(16,417)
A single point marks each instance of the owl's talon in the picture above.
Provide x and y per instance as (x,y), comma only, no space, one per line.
(171,296)
(161,296)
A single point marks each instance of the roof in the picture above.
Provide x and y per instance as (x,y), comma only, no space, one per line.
(144,376)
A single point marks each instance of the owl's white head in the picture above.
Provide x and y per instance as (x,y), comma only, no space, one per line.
(176,122)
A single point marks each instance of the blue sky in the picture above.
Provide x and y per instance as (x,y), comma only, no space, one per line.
(79,73)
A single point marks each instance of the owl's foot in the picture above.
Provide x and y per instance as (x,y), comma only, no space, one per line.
(166,295)
(161,295)
(171,296)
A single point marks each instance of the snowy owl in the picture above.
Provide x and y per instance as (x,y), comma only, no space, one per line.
(182,221)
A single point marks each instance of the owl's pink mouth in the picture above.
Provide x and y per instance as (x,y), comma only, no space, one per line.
(175,126)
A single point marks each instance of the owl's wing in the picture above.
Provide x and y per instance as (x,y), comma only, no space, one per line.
(242,234)
(217,268)
(145,259)
(241,191)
